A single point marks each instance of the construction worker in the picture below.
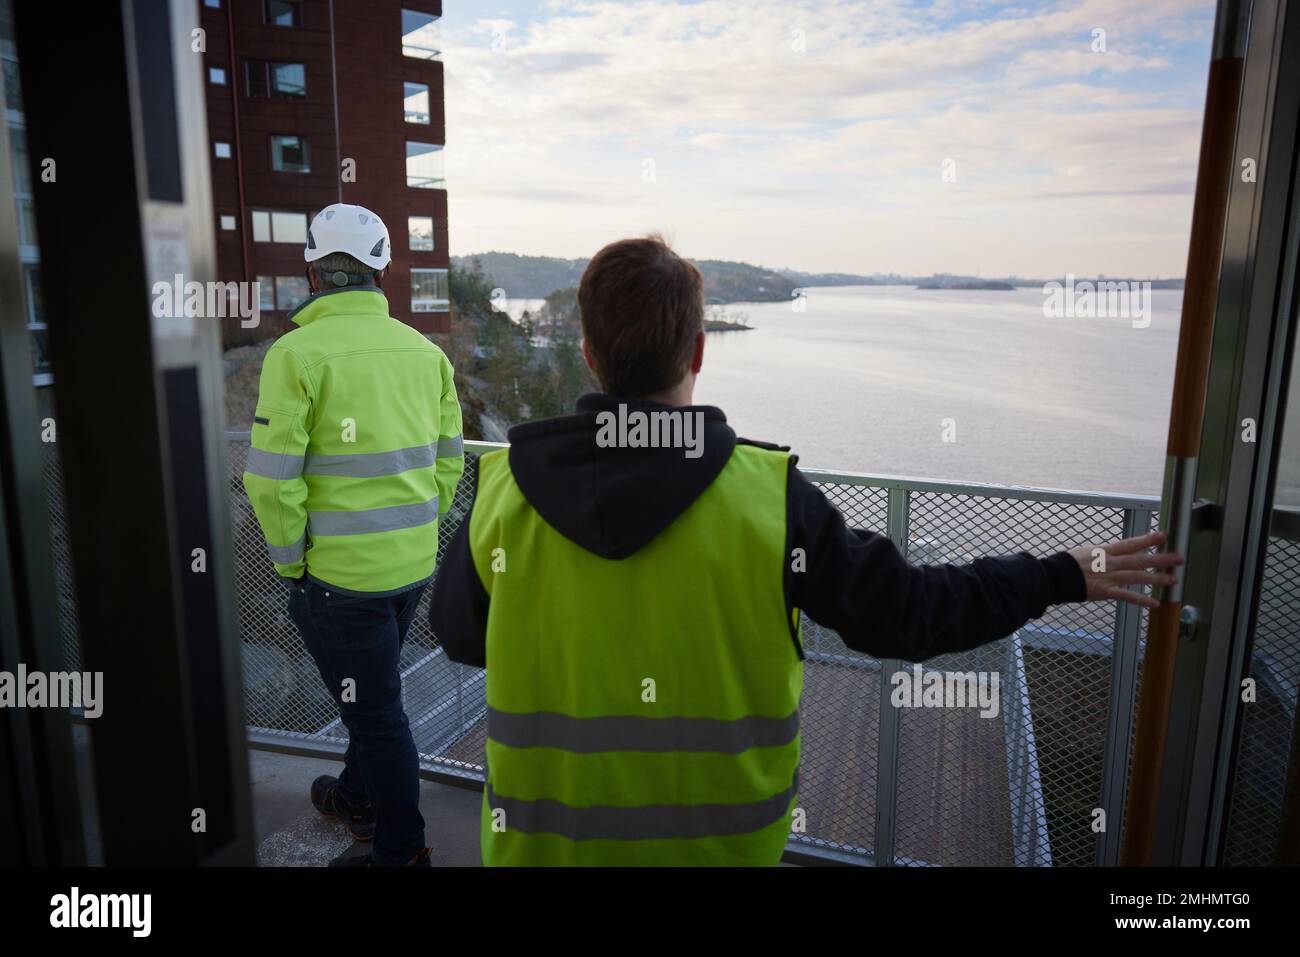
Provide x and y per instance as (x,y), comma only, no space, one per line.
(356,452)
(632,578)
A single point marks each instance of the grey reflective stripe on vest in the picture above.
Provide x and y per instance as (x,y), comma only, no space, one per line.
(547,729)
(368,520)
(273,465)
(287,554)
(371,464)
(644,823)
(452,447)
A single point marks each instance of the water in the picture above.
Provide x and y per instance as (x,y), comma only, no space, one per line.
(864,380)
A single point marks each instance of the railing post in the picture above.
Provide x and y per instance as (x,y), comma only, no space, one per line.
(1119,725)
(460,698)
(890,717)
(1031,844)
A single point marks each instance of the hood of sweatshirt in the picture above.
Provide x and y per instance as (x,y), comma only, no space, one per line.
(619,471)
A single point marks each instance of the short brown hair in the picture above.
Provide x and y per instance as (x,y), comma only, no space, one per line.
(642,308)
(341,262)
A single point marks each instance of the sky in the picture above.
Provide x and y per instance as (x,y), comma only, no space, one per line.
(963,136)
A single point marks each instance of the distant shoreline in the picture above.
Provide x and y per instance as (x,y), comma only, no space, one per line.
(993,285)
(727,282)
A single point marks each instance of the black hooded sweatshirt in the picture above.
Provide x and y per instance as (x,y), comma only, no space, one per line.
(614,501)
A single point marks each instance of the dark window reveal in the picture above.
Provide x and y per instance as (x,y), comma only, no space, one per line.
(265,79)
(284,13)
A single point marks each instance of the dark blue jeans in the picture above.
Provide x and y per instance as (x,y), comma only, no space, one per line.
(358,641)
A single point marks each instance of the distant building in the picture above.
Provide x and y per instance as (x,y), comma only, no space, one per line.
(28,252)
(312,102)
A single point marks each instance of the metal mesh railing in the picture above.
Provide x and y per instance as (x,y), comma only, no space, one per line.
(1018,788)
(61,548)
(1028,780)
(1259,790)
(840,713)
(928,786)
(284,695)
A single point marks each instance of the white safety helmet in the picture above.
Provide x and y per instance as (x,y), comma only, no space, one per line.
(355,230)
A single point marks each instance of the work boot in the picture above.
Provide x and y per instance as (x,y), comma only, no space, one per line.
(421,859)
(327,798)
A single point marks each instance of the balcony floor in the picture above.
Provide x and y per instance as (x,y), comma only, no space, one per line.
(953,785)
(290,833)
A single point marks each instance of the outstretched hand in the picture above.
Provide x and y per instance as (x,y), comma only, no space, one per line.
(1108,568)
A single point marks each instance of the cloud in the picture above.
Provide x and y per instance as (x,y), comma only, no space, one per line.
(718,141)
(833,113)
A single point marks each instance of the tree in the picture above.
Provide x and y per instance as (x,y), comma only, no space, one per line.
(561,374)
(505,349)
(470,290)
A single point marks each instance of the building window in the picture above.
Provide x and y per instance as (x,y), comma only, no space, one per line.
(419,230)
(416,100)
(289,227)
(279,226)
(228,223)
(222,150)
(22,186)
(21,183)
(419,35)
(217,75)
(290,154)
(22,178)
(213,4)
(36,320)
(282,81)
(266,293)
(424,165)
(283,13)
(290,291)
(26,222)
(13,84)
(32,286)
(429,290)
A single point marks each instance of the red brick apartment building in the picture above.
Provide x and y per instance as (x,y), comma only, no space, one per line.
(312,102)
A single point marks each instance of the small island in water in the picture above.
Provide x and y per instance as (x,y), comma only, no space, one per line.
(969,284)
(719,318)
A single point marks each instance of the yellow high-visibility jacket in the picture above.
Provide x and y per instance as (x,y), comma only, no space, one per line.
(356,446)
